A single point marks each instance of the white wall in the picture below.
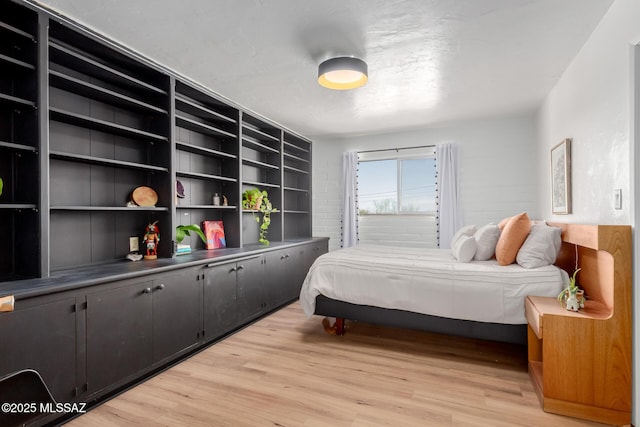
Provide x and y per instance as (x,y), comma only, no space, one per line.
(497,169)
(592,104)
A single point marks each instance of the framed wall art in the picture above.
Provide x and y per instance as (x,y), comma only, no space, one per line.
(561,178)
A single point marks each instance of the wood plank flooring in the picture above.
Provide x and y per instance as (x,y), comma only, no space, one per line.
(285,370)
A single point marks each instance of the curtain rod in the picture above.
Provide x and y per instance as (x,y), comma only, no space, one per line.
(395,149)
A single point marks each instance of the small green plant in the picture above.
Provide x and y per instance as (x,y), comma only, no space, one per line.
(256,200)
(1,185)
(183,231)
(572,287)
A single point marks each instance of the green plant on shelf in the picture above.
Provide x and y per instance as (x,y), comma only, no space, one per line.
(256,200)
(183,231)
(1,185)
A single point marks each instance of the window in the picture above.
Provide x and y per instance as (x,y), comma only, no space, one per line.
(398,186)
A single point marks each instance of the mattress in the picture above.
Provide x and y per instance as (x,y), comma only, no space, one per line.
(428,281)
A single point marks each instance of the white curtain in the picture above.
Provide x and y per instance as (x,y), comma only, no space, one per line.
(449,212)
(350,201)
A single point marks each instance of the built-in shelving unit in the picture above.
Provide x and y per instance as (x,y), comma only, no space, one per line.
(296,186)
(109,133)
(19,143)
(261,169)
(84,121)
(207,157)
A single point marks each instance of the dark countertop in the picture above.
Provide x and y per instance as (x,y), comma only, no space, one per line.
(64,280)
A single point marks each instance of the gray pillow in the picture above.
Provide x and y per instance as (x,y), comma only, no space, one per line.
(465,248)
(486,239)
(541,246)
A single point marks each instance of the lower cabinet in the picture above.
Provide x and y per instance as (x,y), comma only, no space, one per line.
(41,335)
(119,327)
(232,295)
(90,341)
(136,324)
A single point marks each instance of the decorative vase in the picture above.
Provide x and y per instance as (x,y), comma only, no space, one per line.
(572,301)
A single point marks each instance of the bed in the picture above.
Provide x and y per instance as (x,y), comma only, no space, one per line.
(426,289)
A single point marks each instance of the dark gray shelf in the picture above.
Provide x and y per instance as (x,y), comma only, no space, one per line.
(195,109)
(203,128)
(19,147)
(15,101)
(77,61)
(203,151)
(260,165)
(254,145)
(205,176)
(110,208)
(295,170)
(257,133)
(295,147)
(294,158)
(89,90)
(15,64)
(287,211)
(4,27)
(302,190)
(106,162)
(102,125)
(17,206)
(212,207)
(261,184)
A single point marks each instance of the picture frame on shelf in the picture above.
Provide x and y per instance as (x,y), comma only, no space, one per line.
(561,178)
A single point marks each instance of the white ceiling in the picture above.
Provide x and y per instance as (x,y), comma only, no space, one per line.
(430,61)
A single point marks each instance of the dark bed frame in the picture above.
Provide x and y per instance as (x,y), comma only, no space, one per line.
(516,334)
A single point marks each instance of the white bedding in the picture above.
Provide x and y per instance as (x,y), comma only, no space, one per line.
(428,281)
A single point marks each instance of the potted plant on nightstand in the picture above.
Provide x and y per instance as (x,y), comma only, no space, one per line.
(256,200)
(572,297)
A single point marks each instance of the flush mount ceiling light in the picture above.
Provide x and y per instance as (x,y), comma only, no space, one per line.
(342,73)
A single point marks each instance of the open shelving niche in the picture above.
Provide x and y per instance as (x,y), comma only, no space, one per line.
(19,143)
(108,134)
(296,186)
(207,155)
(261,168)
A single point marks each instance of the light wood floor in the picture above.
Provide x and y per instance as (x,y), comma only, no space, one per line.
(286,371)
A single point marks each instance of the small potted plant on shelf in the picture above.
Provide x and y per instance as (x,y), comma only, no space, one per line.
(1,185)
(572,297)
(256,200)
(183,231)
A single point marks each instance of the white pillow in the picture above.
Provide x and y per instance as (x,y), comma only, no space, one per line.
(541,246)
(486,239)
(465,248)
(467,230)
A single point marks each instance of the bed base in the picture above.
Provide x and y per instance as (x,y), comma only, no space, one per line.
(515,334)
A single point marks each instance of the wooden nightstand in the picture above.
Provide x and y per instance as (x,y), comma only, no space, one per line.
(580,362)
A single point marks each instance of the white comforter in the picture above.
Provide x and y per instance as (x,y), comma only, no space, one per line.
(428,281)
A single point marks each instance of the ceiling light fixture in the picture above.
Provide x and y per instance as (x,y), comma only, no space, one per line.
(343,73)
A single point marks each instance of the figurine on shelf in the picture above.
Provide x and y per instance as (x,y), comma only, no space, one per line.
(225,201)
(150,240)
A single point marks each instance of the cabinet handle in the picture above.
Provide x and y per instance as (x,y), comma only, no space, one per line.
(233,270)
(160,286)
(241,267)
(146,291)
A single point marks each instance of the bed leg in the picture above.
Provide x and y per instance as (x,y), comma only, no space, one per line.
(339,326)
(336,329)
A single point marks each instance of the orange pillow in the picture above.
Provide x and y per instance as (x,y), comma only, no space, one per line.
(513,235)
(504,222)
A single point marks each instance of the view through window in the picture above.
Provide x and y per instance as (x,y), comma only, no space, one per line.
(397,186)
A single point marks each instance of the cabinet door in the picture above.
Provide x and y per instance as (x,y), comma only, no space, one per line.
(42,336)
(176,312)
(277,279)
(250,273)
(119,327)
(219,305)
